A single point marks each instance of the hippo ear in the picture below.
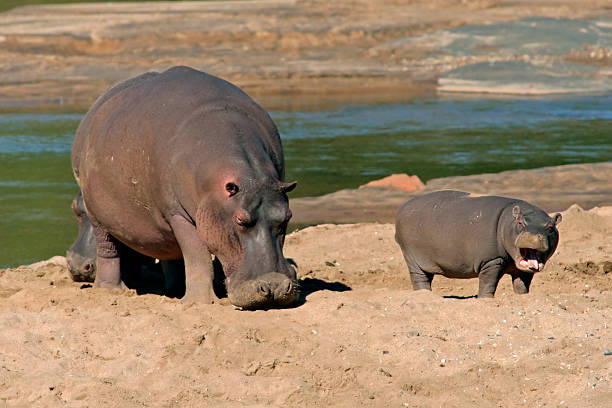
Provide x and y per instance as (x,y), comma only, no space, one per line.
(231,188)
(74,206)
(518,217)
(516,212)
(557,218)
(287,187)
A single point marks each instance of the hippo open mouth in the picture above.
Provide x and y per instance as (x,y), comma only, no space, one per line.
(532,259)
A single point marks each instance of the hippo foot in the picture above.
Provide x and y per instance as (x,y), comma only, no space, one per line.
(271,290)
(108,274)
(113,286)
(200,296)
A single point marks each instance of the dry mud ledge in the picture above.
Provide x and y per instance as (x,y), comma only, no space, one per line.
(360,50)
(552,188)
(360,337)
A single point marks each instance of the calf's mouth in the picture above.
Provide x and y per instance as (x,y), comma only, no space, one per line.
(532,259)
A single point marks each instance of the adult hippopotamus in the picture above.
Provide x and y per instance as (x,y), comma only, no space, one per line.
(181,165)
(459,235)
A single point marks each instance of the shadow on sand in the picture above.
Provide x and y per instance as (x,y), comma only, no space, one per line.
(311,285)
(460,297)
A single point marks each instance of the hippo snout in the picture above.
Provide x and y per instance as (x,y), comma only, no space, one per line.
(82,269)
(532,241)
(270,290)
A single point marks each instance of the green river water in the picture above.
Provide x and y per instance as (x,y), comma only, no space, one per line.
(325,150)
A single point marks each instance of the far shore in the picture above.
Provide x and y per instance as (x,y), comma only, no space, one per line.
(63,56)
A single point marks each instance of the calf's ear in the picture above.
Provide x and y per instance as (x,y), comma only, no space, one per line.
(516,212)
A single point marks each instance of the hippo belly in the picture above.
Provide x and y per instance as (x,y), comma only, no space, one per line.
(127,209)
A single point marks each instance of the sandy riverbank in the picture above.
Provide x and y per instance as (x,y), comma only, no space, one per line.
(361,337)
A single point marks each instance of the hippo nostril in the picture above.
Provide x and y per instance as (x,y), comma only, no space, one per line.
(285,286)
(264,290)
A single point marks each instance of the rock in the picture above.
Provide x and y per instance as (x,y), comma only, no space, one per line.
(398,181)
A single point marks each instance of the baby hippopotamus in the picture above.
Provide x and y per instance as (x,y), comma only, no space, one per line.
(459,235)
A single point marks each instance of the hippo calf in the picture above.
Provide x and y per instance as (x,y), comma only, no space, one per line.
(459,235)
(180,165)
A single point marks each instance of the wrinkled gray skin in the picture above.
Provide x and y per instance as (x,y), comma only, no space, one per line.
(457,235)
(182,165)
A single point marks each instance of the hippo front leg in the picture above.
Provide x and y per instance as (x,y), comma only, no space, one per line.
(108,268)
(489,276)
(521,283)
(199,272)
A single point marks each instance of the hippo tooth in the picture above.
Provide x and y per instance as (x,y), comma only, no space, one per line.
(524,263)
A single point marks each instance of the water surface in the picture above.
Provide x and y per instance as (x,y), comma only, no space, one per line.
(325,150)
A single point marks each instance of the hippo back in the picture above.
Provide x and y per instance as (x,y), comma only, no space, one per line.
(167,100)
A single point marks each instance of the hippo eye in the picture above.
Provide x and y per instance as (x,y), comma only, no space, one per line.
(231,188)
(520,225)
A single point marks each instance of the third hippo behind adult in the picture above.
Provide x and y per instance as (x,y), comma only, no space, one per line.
(459,235)
(182,165)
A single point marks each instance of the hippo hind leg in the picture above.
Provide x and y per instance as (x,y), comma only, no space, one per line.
(521,283)
(419,278)
(108,268)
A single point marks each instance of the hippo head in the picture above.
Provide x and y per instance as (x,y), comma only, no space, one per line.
(246,232)
(532,238)
(81,256)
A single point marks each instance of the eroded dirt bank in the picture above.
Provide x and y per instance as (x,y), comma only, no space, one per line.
(551,188)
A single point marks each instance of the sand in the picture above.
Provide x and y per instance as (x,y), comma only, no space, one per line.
(359,337)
